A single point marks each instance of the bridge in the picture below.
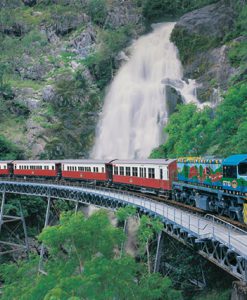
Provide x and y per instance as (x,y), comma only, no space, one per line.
(220,242)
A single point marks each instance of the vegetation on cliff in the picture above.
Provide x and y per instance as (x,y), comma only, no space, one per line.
(56,59)
(222,130)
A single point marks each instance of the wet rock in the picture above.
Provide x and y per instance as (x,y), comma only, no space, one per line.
(173,98)
(208,63)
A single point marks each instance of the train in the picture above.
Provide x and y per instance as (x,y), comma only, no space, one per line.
(213,185)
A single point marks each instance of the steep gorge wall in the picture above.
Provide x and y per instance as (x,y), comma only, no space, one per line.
(200,36)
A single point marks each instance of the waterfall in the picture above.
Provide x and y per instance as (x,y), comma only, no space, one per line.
(135,107)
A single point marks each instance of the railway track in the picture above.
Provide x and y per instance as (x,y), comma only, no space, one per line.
(199,211)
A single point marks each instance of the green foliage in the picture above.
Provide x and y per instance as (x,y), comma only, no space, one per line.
(189,133)
(124,213)
(198,43)
(146,231)
(193,132)
(97,10)
(5,88)
(219,295)
(83,265)
(8,151)
(75,232)
(230,124)
(102,63)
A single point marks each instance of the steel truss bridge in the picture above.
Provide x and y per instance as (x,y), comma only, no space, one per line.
(220,242)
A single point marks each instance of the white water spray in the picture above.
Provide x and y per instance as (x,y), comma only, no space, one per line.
(134,111)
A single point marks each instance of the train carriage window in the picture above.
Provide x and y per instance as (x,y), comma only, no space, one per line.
(161,174)
(53,168)
(230,172)
(103,170)
(127,171)
(115,170)
(242,169)
(151,173)
(122,171)
(143,172)
(135,171)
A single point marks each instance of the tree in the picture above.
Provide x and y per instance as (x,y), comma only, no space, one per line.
(83,263)
(148,228)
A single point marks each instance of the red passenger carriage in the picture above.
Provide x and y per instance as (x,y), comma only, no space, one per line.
(154,174)
(85,170)
(37,168)
(6,168)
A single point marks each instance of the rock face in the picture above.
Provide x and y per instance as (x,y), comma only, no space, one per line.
(204,60)
(84,43)
(213,20)
(55,99)
(122,13)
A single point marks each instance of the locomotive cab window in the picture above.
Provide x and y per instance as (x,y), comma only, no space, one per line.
(242,169)
(230,172)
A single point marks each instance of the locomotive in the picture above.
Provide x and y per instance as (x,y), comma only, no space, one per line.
(210,184)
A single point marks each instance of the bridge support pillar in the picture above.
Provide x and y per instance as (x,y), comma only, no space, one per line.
(42,250)
(239,290)
(158,252)
(12,224)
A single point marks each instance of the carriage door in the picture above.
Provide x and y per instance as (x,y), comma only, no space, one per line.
(109,170)
(59,170)
(161,177)
(10,168)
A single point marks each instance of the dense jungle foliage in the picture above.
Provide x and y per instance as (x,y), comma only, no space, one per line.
(85,262)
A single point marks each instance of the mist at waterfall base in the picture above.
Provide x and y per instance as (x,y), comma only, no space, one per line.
(135,107)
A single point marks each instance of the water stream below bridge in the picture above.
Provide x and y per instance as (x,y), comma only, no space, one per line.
(136,105)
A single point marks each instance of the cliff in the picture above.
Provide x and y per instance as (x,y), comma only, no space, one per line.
(57,57)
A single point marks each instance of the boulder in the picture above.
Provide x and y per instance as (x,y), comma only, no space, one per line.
(212,20)
(84,42)
(48,93)
(173,98)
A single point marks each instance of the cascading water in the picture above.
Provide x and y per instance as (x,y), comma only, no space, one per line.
(135,111)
